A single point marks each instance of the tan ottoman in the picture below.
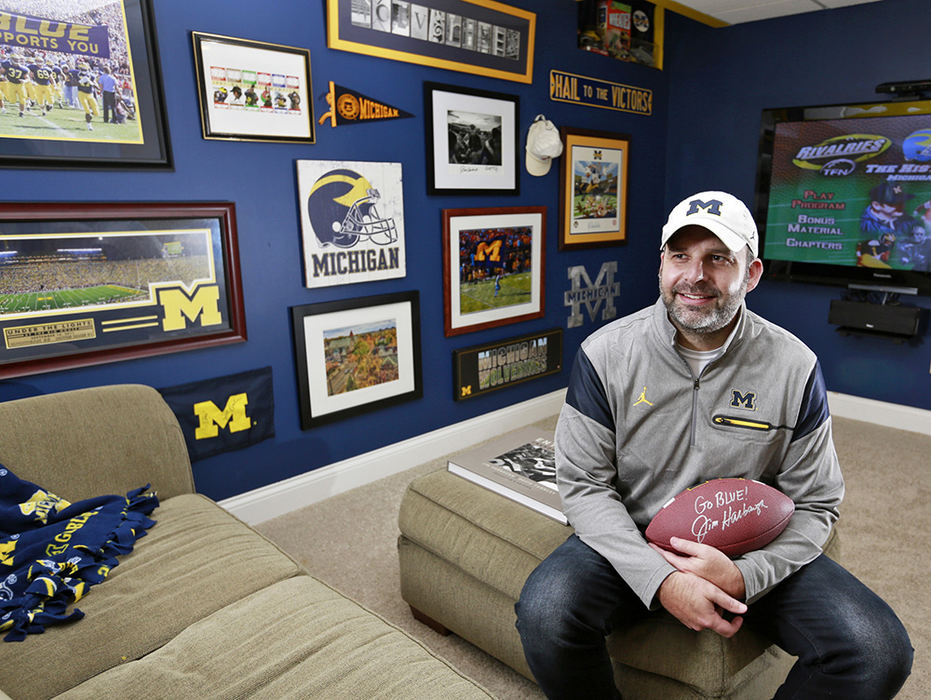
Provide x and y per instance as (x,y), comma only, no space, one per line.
(465,553)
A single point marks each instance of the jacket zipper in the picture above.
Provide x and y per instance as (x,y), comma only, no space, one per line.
(695,386)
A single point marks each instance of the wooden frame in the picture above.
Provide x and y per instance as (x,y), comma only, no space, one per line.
(472,140)
(89,283)
(482,37)
(76,136)
(253,90)
(493,267)
(356,355)
(593,185)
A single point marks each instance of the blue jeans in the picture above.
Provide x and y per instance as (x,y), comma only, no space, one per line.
(849,642)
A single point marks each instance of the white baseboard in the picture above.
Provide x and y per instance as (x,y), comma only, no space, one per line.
(282,497)
(889,415)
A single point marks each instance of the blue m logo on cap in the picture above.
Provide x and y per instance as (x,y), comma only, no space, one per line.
(712,207)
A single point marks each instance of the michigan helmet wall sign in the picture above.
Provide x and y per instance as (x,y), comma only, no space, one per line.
(352,221)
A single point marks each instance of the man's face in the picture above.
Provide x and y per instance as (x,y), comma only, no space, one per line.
(702,282)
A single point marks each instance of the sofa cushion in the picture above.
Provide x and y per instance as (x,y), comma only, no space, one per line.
(196,560)
(296,638)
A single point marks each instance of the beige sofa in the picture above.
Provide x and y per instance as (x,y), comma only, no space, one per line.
(204,606)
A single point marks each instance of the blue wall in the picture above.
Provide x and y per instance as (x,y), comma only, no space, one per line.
(720,80)
(702,134)
(261,179)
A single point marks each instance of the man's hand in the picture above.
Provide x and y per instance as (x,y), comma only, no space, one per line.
(698,603)
(707,562)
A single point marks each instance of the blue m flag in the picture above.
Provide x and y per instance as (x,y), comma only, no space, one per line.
(225,413)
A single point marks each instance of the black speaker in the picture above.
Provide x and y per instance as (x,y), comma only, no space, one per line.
(875,318)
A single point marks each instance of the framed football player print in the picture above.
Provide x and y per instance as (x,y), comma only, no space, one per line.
(253,91)
(471,140)
(593,188)
(87,283)
(352,221)
(493,267)
(92,96)
(356,355)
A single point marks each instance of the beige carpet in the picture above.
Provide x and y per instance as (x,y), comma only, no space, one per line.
(349,542)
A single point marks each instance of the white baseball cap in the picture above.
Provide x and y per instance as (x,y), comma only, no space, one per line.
(543,144)
(721,213)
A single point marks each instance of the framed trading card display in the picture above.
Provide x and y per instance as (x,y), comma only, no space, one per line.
(471,141)
(88,283)
(352,221)
(593,188)
(356,355)
(493,267)
(92,96)
(253,91)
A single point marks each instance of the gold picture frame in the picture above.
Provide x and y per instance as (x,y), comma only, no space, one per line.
(593,184)
(482,37)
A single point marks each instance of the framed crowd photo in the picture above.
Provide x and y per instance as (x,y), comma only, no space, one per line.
(82,86)
(593,188)
(471,141)
(356,355)
(482,37)
(253,91)
(352,221)
(493,267)
(91,283)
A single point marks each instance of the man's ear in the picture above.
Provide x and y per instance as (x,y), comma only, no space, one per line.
(756,272)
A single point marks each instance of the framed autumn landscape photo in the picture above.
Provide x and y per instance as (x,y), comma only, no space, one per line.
(356,355)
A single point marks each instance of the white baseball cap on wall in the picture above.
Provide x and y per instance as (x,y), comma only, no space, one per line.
(543,144)
(721,213)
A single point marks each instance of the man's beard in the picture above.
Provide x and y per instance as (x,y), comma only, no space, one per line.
(702,321)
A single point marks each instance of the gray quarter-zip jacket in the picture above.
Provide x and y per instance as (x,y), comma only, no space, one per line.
(636,429)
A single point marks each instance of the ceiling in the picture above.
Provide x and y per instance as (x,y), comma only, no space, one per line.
(723,12)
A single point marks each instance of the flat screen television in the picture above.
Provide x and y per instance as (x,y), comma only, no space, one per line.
(844,195)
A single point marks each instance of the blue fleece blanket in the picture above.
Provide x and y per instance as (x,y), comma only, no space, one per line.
(53,551)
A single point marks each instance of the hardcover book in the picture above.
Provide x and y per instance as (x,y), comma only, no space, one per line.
(520,465)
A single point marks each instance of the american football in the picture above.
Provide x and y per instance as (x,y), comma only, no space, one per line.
(733,515)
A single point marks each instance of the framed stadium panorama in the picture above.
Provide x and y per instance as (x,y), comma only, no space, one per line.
(90,283)
(493,267)
(252,90)
(81,85)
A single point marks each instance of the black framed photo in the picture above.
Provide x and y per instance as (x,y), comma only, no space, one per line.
(356,355)
(82,86)
(91,283)
(494,261)
(471,140)
(253,90)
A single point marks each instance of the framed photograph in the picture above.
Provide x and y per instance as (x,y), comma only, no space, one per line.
(471,141)
(493,267)
(92,96)
(356,355)
(253,91)
(482,37)
(593,188)
(90,283)
(352,221)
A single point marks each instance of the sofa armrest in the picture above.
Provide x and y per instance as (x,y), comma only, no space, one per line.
(90,442)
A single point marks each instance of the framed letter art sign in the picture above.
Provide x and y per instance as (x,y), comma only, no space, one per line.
(87,283)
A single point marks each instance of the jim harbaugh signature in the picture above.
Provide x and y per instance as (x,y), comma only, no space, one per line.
(732,514)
